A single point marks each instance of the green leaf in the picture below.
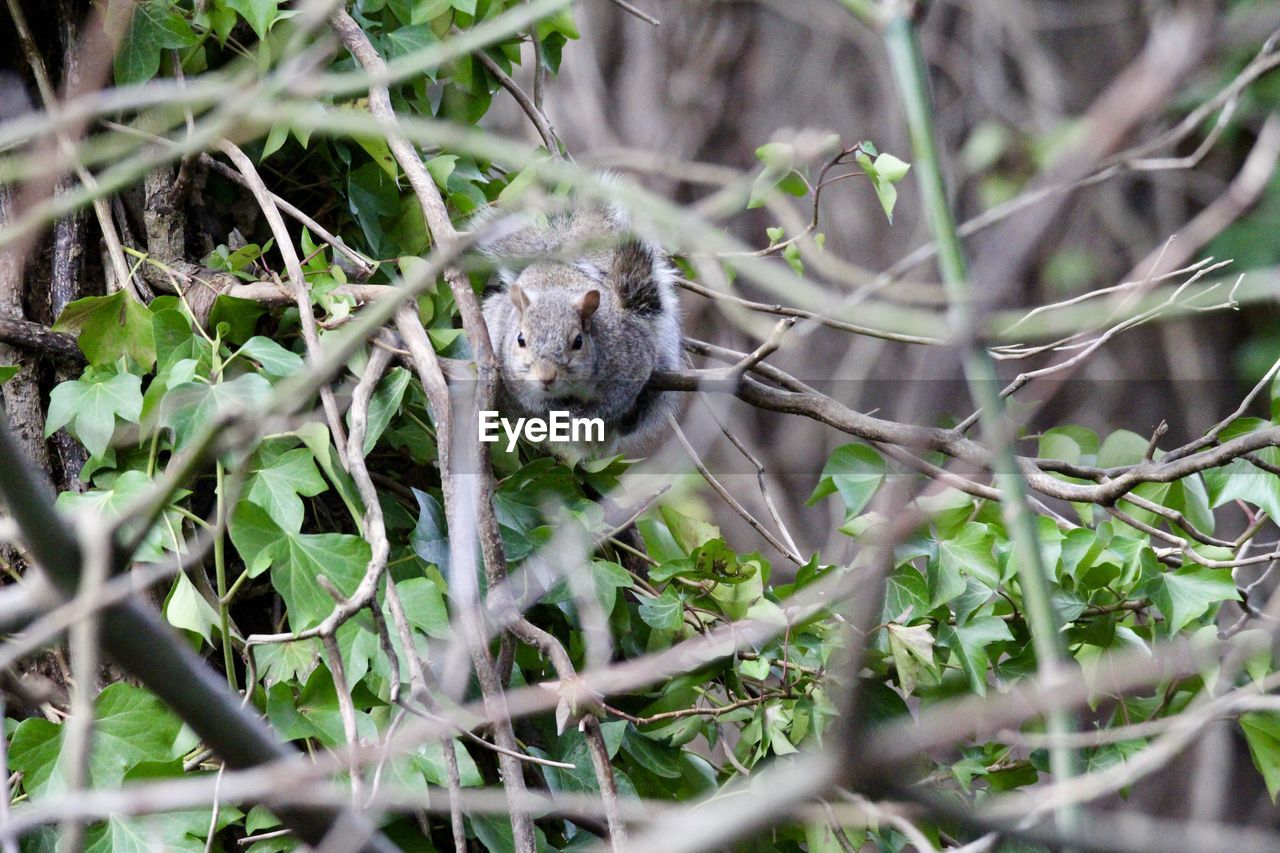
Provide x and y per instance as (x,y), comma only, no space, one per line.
(296,560)
(430,538)
(1188,593)
(254,535)
(967,554)
(192,406)
(571,748)
(340,557)
(418,11)
(275,141)
(911,648)
(154,26)
(407,40)
(1122,447)
(735,599)
(891,169)
(906,596)
(608,578)
(1262,733)
(821,838)
(107,327)
(855,471)
(945,580)
(384,405)
(779,156)
(240,316)
(277,482)
(969,643)
(260,14)
(689,533)
(186,608)
(89,407)
(121,494)
(424,607)
(287,662)
(664,613)
(8,371)
(885,171)
(275,361)
(441,167)
(131,726)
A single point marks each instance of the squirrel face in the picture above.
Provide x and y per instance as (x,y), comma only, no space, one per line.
(550,349)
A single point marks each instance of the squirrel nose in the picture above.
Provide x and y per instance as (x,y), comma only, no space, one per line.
(544,373)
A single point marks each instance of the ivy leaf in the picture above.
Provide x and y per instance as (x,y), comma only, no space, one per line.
(689,533)
(192,406)
(906,596)
(187,609)
(287,662)
(131,726)
(664,613)
(855,471)
(384,405)
(8,371)
(657,758)
(276,361)
(107,327)
(571,748)
(407,40)
(277,482)
(971,646)
(176,341)
(240,317)
(418,11)
(296,560)
(945,581)
(911,648)
(122,493)
(154,26)
(1262,733)
(1241,480)
(967,554)
(424,607)
(260,14)
(1082,547)
(1188,593)
(608,578)
(430,537)
(254,535)
(90,405)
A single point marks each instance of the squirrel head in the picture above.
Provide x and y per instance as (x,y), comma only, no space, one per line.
(551,346)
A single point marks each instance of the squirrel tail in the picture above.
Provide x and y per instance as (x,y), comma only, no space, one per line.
(641,276)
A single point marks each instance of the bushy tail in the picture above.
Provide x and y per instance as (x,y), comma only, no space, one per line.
(637,274)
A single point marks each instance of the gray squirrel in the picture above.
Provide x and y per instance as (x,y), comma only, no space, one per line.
(587,312)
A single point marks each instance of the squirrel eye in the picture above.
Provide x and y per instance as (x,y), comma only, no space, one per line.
(577,341)
(520,338)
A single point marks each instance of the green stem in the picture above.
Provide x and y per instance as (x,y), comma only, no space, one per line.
(220,571)
(912,78)
(235,589)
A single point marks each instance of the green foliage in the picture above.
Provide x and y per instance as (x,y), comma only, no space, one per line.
(884,171)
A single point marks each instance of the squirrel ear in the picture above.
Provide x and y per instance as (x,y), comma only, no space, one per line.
(519,298)
(587,304)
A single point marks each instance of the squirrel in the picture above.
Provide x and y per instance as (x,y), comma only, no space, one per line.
(586,314)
